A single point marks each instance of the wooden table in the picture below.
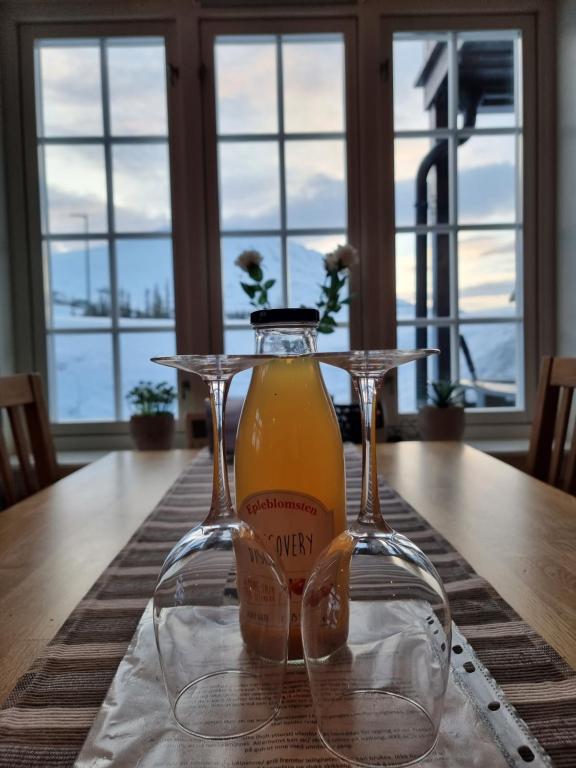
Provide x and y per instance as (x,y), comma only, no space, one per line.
(518,533)
(54,545)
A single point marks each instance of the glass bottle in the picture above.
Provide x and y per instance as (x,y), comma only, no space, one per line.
(289,461)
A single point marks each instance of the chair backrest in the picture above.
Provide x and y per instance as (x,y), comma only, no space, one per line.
(22,398)
(548,459)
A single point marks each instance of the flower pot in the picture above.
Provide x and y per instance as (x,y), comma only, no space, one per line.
(442,423)
(154,432)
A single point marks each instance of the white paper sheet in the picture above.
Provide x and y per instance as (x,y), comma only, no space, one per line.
(134,727)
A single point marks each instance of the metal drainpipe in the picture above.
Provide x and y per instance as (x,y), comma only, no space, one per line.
(438,151)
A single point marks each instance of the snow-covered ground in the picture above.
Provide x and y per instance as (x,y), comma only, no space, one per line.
(83,378)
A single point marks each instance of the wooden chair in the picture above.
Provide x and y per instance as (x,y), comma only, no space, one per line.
(23,398)
(547,457)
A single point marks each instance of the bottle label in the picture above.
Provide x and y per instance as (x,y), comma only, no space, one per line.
(295,528)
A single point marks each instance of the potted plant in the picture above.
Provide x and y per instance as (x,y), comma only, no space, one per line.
(152,424)
(444,418)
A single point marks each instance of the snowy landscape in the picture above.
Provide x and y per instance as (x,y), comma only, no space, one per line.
(83,362)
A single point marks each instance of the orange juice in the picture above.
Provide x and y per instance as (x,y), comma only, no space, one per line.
(289,466)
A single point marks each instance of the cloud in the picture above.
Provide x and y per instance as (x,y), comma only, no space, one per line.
(321,203)
(76,185)
(72,94)
(246,85)
(496,288)
(71,90)
(486,194)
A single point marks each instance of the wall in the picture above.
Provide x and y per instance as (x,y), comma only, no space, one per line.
(566,266)
(6,341)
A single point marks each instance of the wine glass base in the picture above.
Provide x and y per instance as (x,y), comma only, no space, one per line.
(224,705)
(372,728)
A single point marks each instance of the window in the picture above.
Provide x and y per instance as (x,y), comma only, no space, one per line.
(281,147)
(458,201)
(421,138)
(102,137)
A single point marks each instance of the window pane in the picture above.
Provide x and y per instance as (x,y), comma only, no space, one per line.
(487,273)
(307,272)
(136,349)
(70,89)
(429,253)
(249,185)
(316,183)
(79,284)
(313,73)
(337,381)
(487,180)
(145,281)
(420,82)
(486,78)
(75,189)
(428,203)
(414,379)
(488,365)
(246,95)
(237,307)
(82,379)
(239,341)
(141,187)
(137,81)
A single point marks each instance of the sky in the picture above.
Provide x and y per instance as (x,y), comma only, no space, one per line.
(249,172)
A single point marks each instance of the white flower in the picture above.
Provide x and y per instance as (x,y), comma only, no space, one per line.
(248,259)
(343,257)
(331,263)
(347,256)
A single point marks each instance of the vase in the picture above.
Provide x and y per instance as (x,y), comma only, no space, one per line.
(442,423)
(152,432)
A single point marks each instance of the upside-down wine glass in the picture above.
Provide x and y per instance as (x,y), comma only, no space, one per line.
(378,687)
(223,671)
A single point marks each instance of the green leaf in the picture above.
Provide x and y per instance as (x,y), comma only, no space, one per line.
(328,320)
(263,298)
(255,272)
(268,284)
(325,329)
(249,289)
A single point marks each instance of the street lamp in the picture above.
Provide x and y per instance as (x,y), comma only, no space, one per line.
(85,218)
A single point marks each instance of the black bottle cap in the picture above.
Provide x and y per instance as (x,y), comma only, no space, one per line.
(295,316)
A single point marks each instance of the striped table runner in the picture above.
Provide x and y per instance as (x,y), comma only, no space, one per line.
(46,718)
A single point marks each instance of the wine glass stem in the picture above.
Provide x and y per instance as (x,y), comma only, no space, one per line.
(370,513)
(221,507)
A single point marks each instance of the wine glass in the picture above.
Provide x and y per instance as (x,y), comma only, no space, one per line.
(378,688)
(221,604)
